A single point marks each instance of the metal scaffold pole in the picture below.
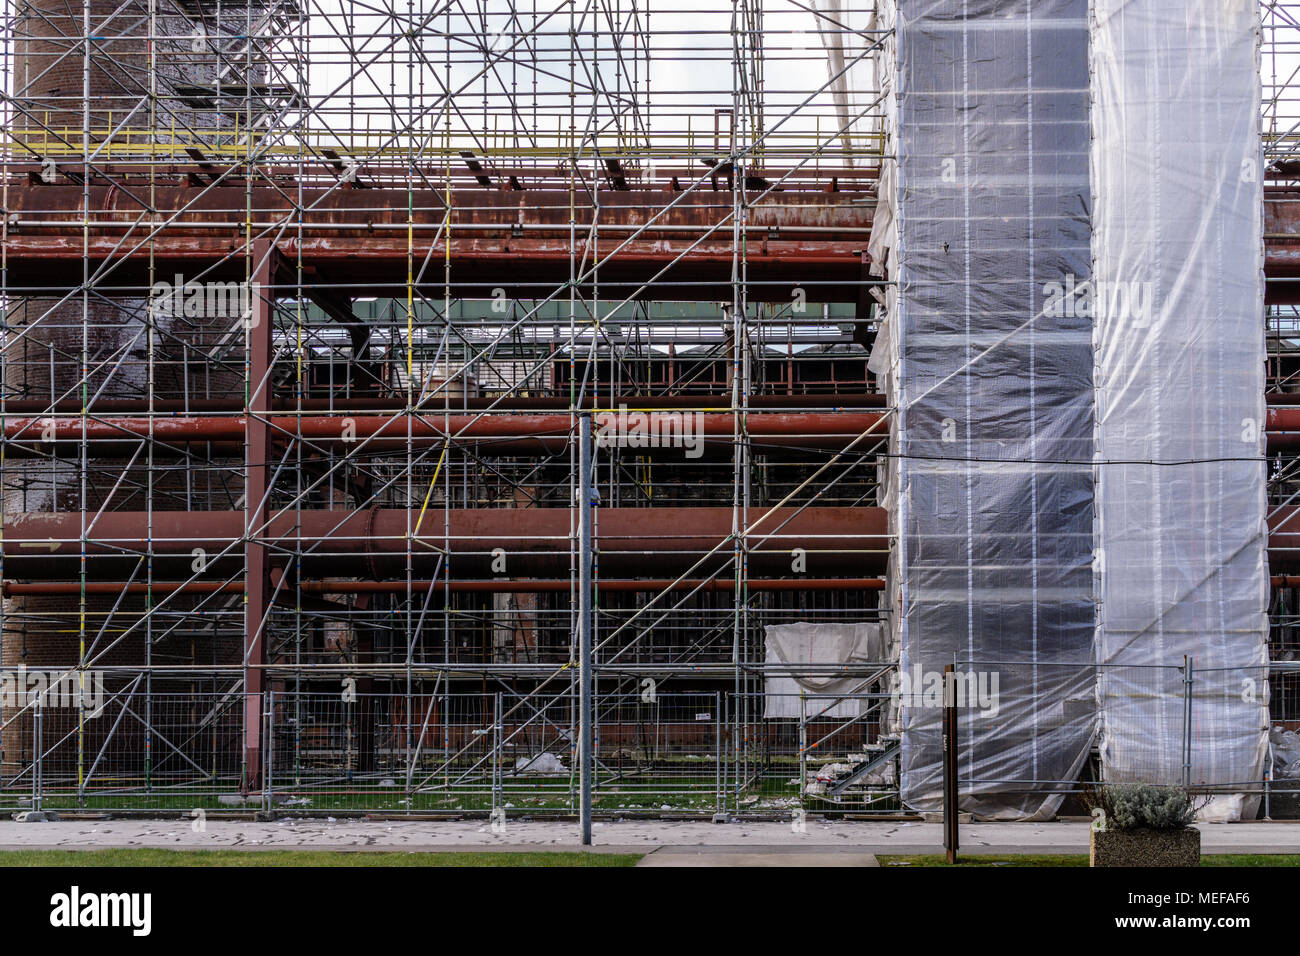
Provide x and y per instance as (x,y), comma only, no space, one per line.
(585,729)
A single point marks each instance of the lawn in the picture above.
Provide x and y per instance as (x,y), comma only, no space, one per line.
(157,857)
(676,786)
(1081,859)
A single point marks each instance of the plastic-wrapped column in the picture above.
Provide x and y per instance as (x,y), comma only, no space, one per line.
(985,218)
(1180,364)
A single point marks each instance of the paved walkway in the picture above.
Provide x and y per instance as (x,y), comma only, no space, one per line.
(633,836)
(761,856)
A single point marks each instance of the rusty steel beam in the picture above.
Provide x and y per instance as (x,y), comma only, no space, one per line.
(47,546)
(472,586)
(828,270)
(496,405)
(1284,538)
(1282,245)
(821,177)
(10,589)
(519,242)
(1283,426)
(60,588)
(361,215)
(516,241)
(374,543)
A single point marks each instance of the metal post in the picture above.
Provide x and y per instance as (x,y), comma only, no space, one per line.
(1187,721)
(498,758)
(37,756)
(725,748)
(717,752)
(268,782)
(950,793)
(1268,775)
(803,745)
(584,626)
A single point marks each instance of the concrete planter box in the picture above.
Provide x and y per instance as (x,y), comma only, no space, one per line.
(1144,847)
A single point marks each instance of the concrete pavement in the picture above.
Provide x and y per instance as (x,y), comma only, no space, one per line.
(630,835)
(761,856)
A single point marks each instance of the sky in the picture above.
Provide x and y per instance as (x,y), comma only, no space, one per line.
(668,94)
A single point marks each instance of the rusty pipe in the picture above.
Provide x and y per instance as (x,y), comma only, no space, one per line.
(508,431)
(800,429)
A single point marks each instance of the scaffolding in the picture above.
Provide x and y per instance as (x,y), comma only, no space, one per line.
(308,304)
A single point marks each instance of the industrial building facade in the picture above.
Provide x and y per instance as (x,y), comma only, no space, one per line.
(400,404)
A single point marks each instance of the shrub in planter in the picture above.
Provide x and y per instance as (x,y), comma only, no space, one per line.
(1137,824)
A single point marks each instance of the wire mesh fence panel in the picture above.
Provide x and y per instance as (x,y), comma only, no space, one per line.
(129,750)
(425,751)
(659,751)
(1166,719)
(1226,756)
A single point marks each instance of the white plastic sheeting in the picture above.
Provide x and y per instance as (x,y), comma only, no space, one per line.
(817,650)
(1178,263)
(1286,754)
(542,763)
(990,483)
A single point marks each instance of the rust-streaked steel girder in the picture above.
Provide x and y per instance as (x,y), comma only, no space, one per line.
(376,405)
(1283,423)
(374,543)
(1282,244)
(519,242)
(501,585)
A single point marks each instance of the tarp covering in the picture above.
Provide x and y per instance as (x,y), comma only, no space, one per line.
(1286,753)
(1180,352)
(801,658)
(990,484)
